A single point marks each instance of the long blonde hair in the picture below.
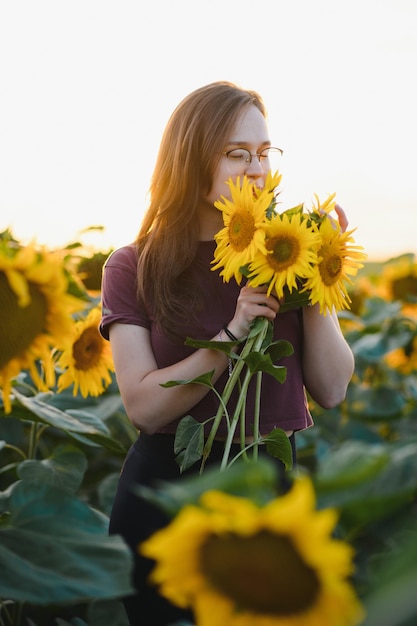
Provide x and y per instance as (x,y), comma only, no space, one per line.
(189,152)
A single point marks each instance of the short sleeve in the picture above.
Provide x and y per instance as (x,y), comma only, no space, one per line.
(119,299)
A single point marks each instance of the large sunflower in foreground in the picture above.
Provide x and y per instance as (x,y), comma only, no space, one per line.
(35,314)
(236,564)
(291,246)
(86,358)
(244,218)
(338,260)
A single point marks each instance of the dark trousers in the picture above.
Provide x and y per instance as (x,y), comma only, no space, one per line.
(149,460)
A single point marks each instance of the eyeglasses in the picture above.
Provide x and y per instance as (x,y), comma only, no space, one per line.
(242,156)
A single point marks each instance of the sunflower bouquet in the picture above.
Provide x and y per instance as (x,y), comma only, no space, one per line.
(304,258)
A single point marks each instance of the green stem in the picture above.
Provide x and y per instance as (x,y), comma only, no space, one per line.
(33,440)
(13,616)
(243,432)
(228,388)
(19,614)
(253,344)
(9,467)
(16,449)
(256,415)
(235,419)
(256,346)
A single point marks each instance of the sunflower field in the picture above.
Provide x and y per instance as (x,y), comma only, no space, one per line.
(64,435)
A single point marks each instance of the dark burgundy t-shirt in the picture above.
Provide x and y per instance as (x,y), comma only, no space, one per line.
(283,405)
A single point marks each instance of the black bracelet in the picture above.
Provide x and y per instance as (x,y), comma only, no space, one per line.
(229,334)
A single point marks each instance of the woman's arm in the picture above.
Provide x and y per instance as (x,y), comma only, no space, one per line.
(328,362)
(150,406)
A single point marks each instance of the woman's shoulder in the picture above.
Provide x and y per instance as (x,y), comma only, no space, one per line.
(123,256)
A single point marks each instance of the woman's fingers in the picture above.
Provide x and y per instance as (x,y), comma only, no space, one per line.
(343,220)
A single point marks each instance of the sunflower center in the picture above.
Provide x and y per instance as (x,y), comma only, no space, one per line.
(403,288)
(19,325)
(263,573)
(241,230)
(284,251)
(87,349)
(330,268)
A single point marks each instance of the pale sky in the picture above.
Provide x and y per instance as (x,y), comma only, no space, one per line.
(87,86)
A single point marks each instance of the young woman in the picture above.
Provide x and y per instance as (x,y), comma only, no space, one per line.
(161,289)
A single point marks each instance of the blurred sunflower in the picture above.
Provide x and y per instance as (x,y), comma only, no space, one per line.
(404,359)
(244,218)
(291,246)
(236,564)
(90,270)
(36,314)
(361,291)
(86,359)
(398,281)
(337,261)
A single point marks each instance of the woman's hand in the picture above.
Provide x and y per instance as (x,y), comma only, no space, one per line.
(252,303)
(341,216)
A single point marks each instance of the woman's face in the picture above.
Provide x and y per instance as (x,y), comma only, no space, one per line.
(251,133)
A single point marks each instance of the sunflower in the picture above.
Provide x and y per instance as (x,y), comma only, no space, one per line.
(290,254)
(244,218)
(337,261)
(398,281)
(86,358)
(326,207)
(234,563)
(404,359)
(36,314)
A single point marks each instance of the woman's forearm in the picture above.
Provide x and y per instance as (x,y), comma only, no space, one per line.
(328,362)
(148,405)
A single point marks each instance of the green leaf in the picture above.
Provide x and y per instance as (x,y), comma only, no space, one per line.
(109,612)
(376,403)
(278,445)
(222,346)
(258,362)
(64,469)
(204,379)
(257,326)
(189,442)
(383,483)
(378,310)
(106,406)
(56,549)
(255,480)
(298,209)
(66,420)
(294,300)
(352,463)
(78,424)
(76,621)
(106,491)
(393,599)
(371,347)
(280,349)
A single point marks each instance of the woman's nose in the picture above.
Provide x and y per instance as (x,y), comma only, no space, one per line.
(255,168)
